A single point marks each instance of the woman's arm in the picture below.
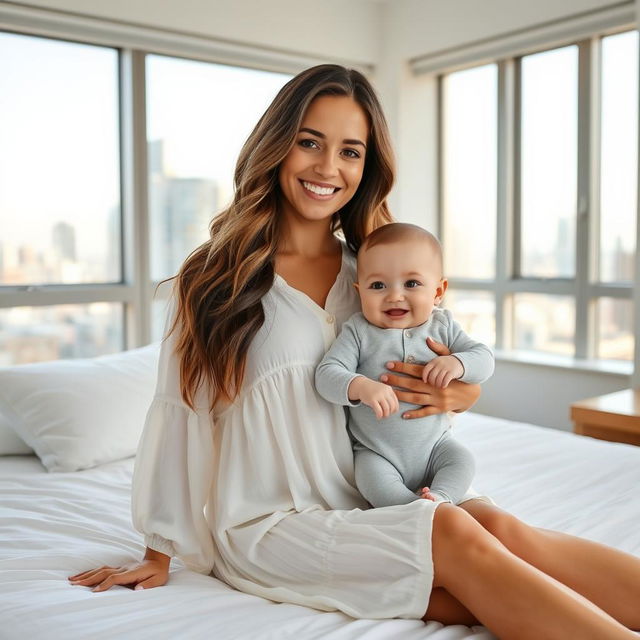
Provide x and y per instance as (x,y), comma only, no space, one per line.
(458,396)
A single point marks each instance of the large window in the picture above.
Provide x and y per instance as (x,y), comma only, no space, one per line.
(60,214)
(538,197)
(72,281)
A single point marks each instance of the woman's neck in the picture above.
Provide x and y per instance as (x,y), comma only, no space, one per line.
(309,240)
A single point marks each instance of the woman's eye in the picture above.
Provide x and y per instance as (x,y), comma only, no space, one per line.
(411,284)
(351,153)
(376,285)
(308,144)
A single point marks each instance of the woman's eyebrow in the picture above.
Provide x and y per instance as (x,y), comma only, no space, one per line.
(319,134)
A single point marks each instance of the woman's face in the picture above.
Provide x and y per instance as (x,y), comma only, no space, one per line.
(322,171)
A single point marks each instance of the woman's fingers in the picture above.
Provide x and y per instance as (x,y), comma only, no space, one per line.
(149,583)
(404,382)
(420,413)
(410,397)
(122,577)
(89,578)
(86,574)
(414,370)
(438,347)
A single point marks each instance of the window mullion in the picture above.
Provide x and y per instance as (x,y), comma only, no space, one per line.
(507,99)
(508,227)
(135,195)
(587,193)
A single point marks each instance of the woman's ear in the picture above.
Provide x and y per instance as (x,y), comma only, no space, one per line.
(440,290)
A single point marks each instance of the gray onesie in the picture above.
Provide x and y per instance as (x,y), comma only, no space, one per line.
(394,457)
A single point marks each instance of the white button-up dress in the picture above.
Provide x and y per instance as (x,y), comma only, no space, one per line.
(261,493)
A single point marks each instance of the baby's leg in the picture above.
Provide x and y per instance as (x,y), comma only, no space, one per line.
(379,481)
(452,467)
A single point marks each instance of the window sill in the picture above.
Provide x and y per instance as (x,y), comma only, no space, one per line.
(613,367)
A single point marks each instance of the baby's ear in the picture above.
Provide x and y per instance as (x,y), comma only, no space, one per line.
(356,286)
(440,290)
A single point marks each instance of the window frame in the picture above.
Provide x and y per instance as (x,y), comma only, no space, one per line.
(584,288)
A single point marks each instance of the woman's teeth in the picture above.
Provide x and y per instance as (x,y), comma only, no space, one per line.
(321,191)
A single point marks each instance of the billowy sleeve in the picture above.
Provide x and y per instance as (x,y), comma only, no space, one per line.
(173,469)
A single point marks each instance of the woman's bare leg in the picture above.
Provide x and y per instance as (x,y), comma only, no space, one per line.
(444,608)
(509,596)
(607,577)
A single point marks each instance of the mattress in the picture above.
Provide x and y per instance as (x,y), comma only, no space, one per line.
(57,524)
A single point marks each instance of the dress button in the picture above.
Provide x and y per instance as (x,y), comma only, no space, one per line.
(407,334)
(411,359)
(330,319)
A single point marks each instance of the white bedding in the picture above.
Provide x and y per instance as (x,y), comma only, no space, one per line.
(56,524)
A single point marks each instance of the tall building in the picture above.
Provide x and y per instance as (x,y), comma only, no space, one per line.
(64,241)
(180,211)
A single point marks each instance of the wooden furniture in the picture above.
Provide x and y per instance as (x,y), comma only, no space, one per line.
(614,417)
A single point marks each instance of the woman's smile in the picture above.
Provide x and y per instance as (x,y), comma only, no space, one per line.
(319,191)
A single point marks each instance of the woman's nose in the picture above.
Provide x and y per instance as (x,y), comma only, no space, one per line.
(326,165)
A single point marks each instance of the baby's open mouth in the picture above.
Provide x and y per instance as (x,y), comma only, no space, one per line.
(396,313)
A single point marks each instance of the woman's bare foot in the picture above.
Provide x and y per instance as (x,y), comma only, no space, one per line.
(426,494)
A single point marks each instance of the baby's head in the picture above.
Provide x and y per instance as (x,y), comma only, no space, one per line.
(400,276)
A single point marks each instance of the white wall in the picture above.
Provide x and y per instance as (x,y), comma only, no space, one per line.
(333,28)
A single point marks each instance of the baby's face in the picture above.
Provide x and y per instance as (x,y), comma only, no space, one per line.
(399,284)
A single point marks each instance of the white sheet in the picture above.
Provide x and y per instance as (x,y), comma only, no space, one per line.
(54,525)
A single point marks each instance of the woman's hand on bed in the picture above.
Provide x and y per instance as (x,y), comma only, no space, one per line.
(458,396)
(145,574)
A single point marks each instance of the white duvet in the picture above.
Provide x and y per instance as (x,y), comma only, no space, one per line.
(56,524)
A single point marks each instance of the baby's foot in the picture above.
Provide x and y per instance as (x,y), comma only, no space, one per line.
(426,494)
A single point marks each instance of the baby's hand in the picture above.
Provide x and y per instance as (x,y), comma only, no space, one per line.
(440,371)
(377,395)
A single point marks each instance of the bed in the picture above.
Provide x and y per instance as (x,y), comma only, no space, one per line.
(54,523)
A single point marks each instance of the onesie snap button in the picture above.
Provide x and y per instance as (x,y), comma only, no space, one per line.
(330,319)
(407,334)
(411,359)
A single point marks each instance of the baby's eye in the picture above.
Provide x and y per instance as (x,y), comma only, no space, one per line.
(307,143)
(411,284)
(376,285)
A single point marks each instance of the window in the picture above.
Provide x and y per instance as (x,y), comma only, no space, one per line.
(558,267)
(548,163)
(59,194)
(73,275)
(469,172)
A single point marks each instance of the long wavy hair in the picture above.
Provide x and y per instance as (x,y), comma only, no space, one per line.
(220,286)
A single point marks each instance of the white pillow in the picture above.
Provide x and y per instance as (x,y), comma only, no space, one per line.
(10,442)
(77,414)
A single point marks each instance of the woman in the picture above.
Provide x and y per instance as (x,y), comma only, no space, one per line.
(237,427)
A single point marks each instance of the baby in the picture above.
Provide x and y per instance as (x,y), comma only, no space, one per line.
(400,284)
